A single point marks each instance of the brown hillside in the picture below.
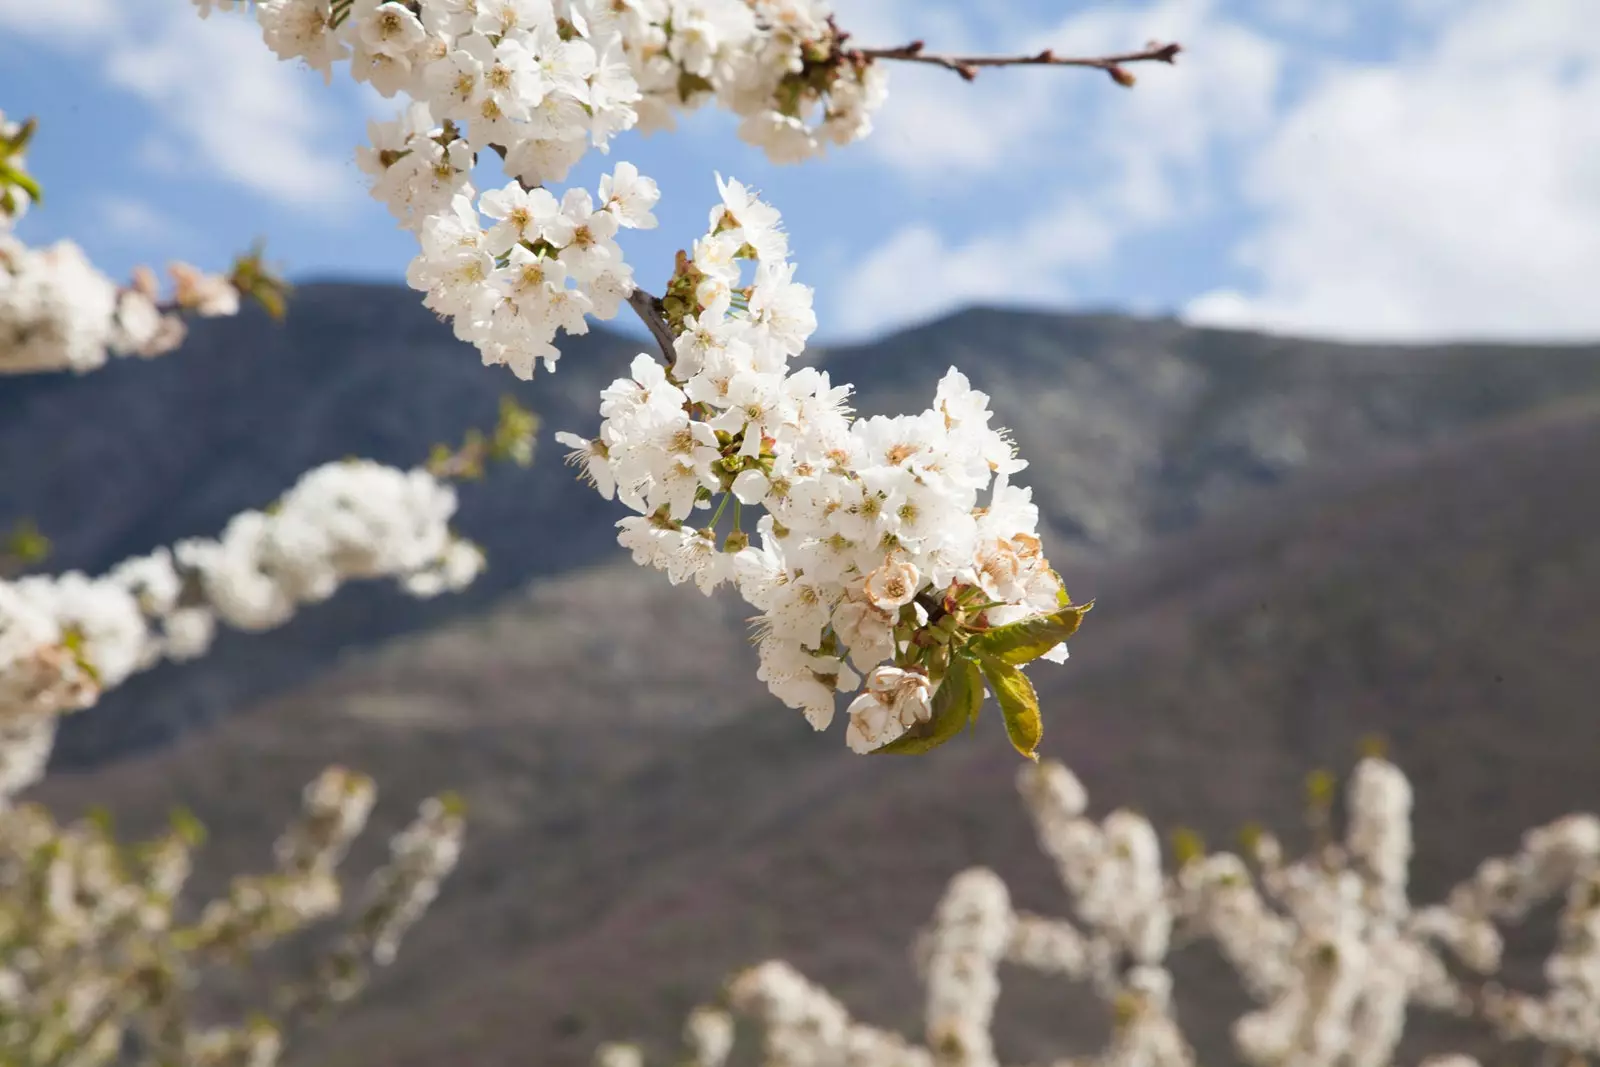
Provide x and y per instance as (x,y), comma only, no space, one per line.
(647,818)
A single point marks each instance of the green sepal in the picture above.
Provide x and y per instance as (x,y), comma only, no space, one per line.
(1023,642)
(24,181)
(954,706)
(18,141)
(1019,705)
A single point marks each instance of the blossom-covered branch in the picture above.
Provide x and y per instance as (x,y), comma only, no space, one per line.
(1328,945)
(65,639)
(541,82)
(58,312)
(894,546)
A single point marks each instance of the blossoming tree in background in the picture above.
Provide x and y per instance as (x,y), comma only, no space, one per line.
(97,963)
(1329,946)
(65,639)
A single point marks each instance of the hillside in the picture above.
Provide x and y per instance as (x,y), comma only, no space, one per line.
(646,818)
(1134,428)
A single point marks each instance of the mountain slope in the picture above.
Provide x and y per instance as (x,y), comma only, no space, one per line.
(646,818)
(1133,428)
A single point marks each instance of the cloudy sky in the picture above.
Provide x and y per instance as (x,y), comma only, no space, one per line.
(1413,169)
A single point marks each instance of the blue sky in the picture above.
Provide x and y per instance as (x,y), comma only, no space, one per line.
(1413,169)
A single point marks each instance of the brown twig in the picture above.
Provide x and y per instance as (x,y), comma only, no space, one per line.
(653,314)
(968,66)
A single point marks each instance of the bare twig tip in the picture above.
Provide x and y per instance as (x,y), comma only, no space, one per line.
(968,66)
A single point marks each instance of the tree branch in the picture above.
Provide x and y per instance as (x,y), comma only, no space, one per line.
(651,312)
(968,66)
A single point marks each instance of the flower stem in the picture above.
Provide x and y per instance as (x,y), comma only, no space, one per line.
(717,515)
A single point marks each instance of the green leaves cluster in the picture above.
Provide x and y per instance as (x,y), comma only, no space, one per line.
(261,283)
(22,547)
(14,177)
(994,658)
(511,441)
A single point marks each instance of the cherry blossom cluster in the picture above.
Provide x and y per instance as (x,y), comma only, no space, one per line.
(801,1023)
(776,64)
(1329,945)
(67,638)
(541,266)
(98,965)
(540,82)
(59,312)
(545,79)
(894,546)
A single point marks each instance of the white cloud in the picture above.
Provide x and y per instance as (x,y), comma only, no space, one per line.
(232,105)
(1453,193)
(918,274)
(222,99)
(137,220)
(1103,162)
(1151,143)
(1310,16)
(59,19)
(885,23)
(935,125)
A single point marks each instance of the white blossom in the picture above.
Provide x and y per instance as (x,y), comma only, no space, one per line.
(67,638)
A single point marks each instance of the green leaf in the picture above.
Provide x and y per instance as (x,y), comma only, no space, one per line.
(1187,846)
(188,828)
(73,641)
(1019,704)
(100,818)
(26,182)
(954,705)
(17,142)
(1025,641)
(26,544)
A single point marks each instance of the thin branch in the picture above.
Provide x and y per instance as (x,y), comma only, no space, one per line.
(968,66)
(654,315)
